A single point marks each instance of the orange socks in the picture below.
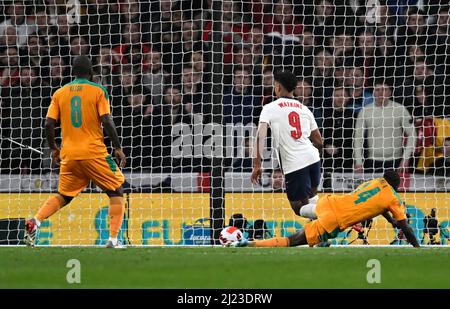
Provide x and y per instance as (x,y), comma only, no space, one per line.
(115,212)
(50,206)
(272,242)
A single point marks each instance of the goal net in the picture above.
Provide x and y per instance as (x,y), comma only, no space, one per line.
(187,81)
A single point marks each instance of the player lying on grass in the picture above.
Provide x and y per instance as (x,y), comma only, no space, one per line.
(82,107)
(292,125)
(335,213)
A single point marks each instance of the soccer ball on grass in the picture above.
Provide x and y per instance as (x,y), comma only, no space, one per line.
(230,234)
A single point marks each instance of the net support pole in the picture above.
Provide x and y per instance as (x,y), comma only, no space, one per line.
(217,192)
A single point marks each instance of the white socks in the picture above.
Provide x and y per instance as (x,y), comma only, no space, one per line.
(113,240)
(308,211)
(314,199)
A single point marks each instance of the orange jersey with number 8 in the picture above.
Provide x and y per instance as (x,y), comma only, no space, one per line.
(78,106)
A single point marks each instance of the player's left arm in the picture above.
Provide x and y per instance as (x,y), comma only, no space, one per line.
(408,232)
(389,219)
(397,208)
(316,139)
(316,136)
(259,147)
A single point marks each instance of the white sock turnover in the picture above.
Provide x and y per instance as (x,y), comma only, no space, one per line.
(314,199)
(308,211)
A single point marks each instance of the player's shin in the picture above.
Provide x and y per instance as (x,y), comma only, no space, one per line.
(115,213)
(308,211)
(50,206)
(272,242)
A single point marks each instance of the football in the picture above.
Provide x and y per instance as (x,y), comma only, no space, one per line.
(230,234)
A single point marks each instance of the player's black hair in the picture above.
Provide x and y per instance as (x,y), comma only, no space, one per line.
(392,178)
(286,79)
(82,67)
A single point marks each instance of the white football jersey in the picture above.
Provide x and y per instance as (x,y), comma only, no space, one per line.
(291,124)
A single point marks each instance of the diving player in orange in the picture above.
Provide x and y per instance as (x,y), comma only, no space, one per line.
(335,213)
(82,107)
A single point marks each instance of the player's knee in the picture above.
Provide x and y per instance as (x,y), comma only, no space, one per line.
(67,199)
(116,193)
(296,207)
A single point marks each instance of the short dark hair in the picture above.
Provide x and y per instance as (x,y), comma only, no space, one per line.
(82,66)
(286,79)
(392,178)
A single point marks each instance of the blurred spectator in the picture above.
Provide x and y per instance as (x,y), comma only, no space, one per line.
(365,56)
(343,49)
(103,21)
(282,23)
(304,55)
(192,89)
(130,106)
(19,21)
(131,49)
(267,83)
(58,73)
(441,166)
(303,92)
(104,67)
(354,82)
(327,19)
(8,38)
(35,55)
(385,125)
(129,11)
(421,103)
(323,75)
(239,101)
(9,70)
(172,111)
(153,76)
(423,75)
(60,37)
(42,21)
(386,62)
(338,127)
(53,9)
(277,180)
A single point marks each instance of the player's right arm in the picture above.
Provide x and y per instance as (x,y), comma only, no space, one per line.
(260,139)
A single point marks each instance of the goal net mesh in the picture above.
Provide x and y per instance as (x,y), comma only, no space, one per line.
(187,81)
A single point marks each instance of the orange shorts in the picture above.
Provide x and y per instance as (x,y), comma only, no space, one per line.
(325,226)
(74,175)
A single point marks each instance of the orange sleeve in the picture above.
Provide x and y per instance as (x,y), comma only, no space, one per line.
(103,107)
(397,209)
(53,110)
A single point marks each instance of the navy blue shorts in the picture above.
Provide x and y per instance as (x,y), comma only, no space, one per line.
(300,182)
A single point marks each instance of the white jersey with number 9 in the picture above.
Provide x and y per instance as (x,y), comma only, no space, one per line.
(291,124)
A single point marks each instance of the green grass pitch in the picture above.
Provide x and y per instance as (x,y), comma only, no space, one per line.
(216,267)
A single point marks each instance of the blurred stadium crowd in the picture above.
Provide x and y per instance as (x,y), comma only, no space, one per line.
(376,77)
